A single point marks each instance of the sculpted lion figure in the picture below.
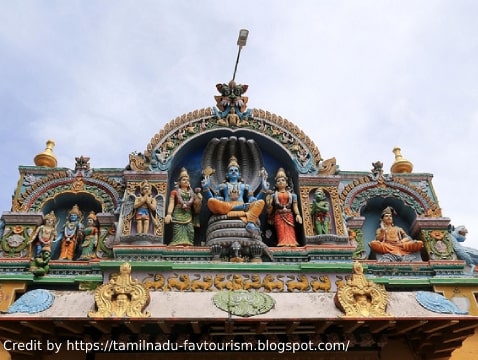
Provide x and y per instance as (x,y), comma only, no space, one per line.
(205,284)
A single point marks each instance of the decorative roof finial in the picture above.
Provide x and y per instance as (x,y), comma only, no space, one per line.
(401,165)
(46,157)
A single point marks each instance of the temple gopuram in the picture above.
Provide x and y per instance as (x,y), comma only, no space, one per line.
(231,232)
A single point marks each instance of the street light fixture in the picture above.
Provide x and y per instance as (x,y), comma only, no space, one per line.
(241,41)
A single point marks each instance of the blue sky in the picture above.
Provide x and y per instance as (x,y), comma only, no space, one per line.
(101,78)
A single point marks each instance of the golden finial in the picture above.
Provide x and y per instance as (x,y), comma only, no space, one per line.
(46,158)
(401,165)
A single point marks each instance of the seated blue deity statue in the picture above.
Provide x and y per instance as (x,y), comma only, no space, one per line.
(234,198)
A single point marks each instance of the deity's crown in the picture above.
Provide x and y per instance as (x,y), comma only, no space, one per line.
(50,215)
(75,210)
(281,174)
(92,215)
(388,210)
(144,184)
(233,162)
(183,173)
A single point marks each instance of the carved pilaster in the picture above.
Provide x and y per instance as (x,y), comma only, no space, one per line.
(434,234)
(19,228)
(306,217)
(355,233)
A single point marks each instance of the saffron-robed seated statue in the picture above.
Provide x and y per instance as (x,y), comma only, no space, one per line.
(234,198)
(393,242)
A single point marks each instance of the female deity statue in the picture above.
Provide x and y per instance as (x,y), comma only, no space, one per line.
(44,235)
(91,238)
(184,206)
(283,211)
(72,233)
(391,239)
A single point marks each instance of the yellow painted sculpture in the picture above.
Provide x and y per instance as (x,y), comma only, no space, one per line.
(121,297)
(361,298)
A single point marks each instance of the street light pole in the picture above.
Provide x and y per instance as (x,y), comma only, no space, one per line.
(241,41)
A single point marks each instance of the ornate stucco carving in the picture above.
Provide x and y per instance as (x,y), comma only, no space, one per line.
(438,303)
(438,244)
(196,282)
(306,216)
(356,194)
(132,190)
(361,298)
(336,209)
(121,297)
(164,144)
(38,191)
(32,302)
(243,303)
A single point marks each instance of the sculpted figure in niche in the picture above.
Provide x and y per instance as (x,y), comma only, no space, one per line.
(234,198)
(184,207)
(320,213)
(72,234)
(145,206)
(44,235)
(232,119)
(90,238)
(393,240)
(40,264)
(283,211)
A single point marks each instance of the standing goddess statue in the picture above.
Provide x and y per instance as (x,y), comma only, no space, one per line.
(283,211)
(184,207)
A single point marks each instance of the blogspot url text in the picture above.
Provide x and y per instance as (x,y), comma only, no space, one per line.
(185,346)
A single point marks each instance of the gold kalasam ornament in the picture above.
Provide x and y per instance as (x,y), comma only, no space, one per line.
(361,298)
(121,297)
(46,157)
(400,165)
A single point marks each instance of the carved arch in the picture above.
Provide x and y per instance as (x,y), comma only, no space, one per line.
(165,144)
(35,198)
(356,194)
